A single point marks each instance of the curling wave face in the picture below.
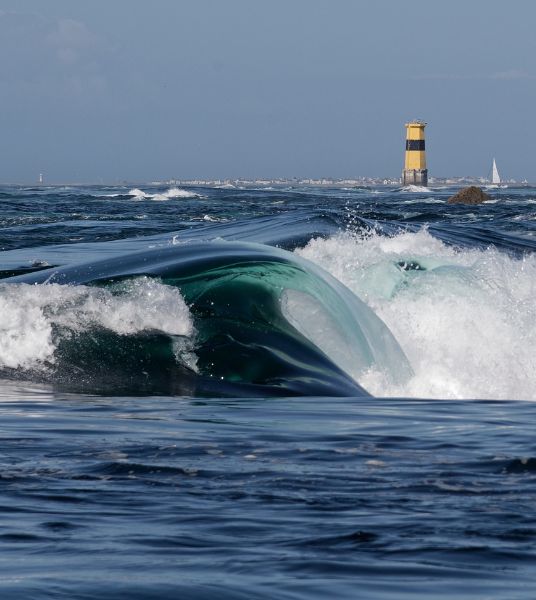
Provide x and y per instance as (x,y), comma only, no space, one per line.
(226,318)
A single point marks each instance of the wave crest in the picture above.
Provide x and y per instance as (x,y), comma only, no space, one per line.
(464,318)
(34,320)
(173,192)
(415,189)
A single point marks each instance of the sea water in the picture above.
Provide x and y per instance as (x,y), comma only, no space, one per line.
(134,465)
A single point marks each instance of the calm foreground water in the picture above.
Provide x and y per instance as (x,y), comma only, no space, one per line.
(274,393)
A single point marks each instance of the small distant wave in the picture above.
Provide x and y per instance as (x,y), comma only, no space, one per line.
(214,219)
(360,189)
(173,192)
(414,189)
(429,200)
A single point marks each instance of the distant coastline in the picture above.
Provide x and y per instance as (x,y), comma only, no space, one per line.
(327,181)
(244,182)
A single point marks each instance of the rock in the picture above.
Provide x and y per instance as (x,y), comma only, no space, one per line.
(469,195)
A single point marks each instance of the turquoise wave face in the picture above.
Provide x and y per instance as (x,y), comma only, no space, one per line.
(265,322)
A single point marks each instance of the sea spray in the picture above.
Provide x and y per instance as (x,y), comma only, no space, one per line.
(169,194)
(35,319)
(464,318)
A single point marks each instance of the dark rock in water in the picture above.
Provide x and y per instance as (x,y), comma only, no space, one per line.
(469,195)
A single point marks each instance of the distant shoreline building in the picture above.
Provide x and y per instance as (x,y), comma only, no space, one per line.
(415,171)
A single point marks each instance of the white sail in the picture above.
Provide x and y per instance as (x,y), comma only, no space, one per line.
(495,177)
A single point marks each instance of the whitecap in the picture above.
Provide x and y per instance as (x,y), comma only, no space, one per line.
(175,192)
(138,194)
(34,318)
(169,194)
(415,189)
(464,318)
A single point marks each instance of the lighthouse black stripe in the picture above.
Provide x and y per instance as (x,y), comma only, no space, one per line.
(414,144)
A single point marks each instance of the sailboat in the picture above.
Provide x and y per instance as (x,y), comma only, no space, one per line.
(495,177)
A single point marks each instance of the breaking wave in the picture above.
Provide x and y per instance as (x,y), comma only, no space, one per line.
(464,318)
(218,317)
(173,192)
(36,320)
(415,189)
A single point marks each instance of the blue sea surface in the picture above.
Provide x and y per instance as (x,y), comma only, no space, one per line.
(297,392)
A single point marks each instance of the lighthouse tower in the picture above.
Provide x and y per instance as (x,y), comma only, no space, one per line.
(415,171)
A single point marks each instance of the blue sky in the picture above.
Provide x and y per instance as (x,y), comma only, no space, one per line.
(110,90)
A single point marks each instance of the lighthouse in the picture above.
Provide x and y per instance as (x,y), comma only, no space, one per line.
(415,171)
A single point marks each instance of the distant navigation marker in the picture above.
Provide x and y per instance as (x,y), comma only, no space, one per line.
(415,171)
(40,177)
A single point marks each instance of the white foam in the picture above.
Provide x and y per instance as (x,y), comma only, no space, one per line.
(138,194)
(33,316)
(173,192)
(429,200)
(214,219)
(415,188)
(466,323)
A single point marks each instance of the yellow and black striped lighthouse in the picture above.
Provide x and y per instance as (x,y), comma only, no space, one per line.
(415,171)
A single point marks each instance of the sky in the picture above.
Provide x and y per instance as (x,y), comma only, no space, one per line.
(131,90)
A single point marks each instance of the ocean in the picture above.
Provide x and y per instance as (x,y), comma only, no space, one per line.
(281,392)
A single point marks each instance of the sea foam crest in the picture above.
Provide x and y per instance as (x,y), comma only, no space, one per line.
(31,315)
(173,192)
(464,318)
(415,188)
